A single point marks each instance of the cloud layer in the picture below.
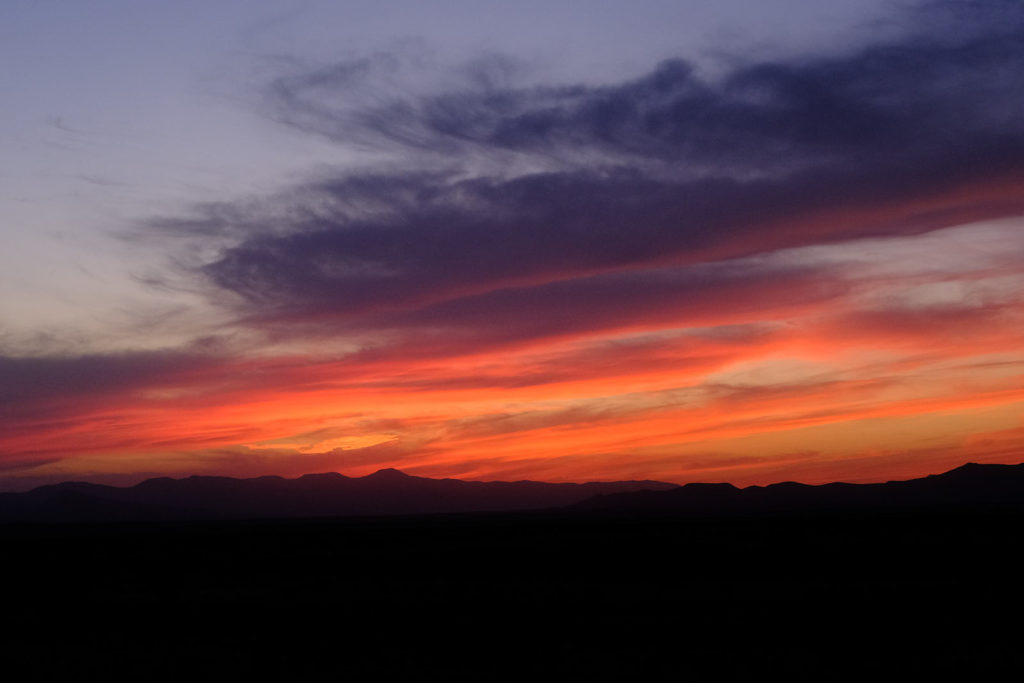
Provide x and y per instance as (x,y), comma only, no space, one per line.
(599,281)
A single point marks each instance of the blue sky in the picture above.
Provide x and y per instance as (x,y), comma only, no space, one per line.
(116,111)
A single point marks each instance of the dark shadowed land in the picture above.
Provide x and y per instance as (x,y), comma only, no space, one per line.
(385,492)
(391,492)
(917,579)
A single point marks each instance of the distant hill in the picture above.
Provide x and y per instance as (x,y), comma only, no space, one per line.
(974,486)
(391,492)
(386,492)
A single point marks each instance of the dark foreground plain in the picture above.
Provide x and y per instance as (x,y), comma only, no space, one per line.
(513,596)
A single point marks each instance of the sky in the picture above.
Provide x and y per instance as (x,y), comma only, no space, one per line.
(686,241)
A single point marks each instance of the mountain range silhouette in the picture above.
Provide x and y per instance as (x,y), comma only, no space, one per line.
(392,492)
(975,486)
(328,577)
(385,492)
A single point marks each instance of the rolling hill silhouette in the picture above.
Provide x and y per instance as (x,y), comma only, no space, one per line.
(385,492)
(391,492)
(970,486)
(279,579)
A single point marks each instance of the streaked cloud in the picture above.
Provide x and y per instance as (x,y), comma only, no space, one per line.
(639,279)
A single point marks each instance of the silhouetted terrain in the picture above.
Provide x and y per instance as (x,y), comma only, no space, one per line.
(973,486)
(389,492)
(385,492)
(910,580)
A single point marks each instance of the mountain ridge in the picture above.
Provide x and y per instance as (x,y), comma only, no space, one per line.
(328,494)
(971,485)
(392,492)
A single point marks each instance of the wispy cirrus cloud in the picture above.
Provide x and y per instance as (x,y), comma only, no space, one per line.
(564,277)
(670,168)
(944,80)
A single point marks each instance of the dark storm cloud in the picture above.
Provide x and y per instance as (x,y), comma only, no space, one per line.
(668,168)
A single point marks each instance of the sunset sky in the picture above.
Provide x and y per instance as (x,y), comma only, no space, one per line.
(681,240)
